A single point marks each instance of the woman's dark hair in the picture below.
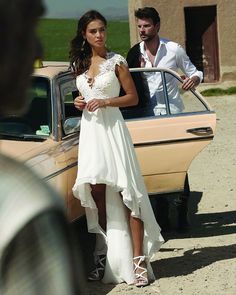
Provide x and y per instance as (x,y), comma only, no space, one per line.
(80,51)
(148,12)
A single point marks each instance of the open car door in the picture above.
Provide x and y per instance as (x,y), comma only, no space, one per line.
(168,138)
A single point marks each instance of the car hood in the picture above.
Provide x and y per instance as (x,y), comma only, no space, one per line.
(21,150)
(40,156)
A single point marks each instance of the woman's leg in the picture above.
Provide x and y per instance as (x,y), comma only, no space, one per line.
(137,232)
(98,192)
(99,195)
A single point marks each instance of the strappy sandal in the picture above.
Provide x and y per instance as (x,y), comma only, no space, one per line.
(98,273)
(140,279)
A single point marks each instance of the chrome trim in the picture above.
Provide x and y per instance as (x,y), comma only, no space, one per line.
(199,113)
(151,195)
(60,171)
(142,144)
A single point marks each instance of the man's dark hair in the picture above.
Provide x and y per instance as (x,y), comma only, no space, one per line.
(148,12)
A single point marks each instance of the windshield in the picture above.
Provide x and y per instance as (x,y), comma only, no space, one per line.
(36,121)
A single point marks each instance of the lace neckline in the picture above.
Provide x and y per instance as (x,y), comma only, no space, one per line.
(102,69)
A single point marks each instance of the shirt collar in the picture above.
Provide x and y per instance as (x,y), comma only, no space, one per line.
(142,48)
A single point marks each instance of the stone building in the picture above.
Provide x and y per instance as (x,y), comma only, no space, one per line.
(205,28)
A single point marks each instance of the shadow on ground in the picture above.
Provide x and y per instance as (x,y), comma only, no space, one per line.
(200,225)
(191,261)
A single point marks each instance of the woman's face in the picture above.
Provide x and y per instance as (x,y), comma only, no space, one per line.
(95,33)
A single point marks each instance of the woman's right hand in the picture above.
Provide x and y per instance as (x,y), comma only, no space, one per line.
(79,103)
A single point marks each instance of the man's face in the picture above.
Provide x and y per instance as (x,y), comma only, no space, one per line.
(147,30)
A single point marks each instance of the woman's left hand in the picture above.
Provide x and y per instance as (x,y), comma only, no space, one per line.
(95,104)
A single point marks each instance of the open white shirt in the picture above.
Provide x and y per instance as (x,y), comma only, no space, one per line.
(172,56)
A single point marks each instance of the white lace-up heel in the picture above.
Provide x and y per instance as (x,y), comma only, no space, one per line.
(140,279)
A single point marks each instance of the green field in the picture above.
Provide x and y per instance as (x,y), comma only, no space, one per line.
(219,91)
(56,34)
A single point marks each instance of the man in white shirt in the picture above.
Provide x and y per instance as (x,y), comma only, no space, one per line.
(154,51)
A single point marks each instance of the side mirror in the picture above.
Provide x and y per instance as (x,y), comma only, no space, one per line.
(71,125)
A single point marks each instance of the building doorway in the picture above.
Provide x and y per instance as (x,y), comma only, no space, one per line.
(202,40)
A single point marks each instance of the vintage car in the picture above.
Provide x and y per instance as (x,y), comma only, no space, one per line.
(46,137)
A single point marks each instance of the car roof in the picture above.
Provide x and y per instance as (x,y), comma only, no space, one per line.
(51,69)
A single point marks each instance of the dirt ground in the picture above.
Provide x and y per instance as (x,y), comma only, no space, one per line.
(203,259)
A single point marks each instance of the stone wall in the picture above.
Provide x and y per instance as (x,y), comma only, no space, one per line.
(173,27)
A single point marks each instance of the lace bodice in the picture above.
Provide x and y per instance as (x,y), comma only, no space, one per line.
(106,83)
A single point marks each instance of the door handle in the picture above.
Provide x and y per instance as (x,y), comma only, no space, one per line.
(200,130)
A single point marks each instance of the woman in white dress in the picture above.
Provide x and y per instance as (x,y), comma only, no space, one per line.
(109,183)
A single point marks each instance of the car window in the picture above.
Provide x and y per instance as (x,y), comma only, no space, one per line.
(179,100)
(68,92)
(37,118)
(160,94)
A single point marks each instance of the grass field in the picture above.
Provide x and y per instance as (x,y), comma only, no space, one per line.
(56,34)
(219,91)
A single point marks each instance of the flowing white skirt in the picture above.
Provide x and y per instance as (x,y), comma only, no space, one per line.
(106,155)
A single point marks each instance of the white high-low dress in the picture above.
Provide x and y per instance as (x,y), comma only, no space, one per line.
(106,155)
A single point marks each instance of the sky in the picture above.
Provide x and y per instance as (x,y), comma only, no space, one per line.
(111,9)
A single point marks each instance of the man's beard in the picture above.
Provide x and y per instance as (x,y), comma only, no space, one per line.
(147,38)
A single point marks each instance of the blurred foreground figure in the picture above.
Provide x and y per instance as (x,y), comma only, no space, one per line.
(36,252)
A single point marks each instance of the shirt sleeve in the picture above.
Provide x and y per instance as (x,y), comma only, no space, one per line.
(185,64)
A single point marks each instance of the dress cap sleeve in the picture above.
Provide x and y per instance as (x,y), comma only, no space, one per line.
(121,60)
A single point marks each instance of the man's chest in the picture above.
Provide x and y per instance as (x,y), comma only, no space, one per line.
(163,58)
(166,59)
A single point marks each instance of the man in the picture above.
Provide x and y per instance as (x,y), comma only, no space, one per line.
(36,252)
(154,51)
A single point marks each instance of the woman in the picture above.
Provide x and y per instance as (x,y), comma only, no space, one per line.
(109,183)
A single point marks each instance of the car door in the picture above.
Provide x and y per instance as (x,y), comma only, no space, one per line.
(167,141)
(66,87)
